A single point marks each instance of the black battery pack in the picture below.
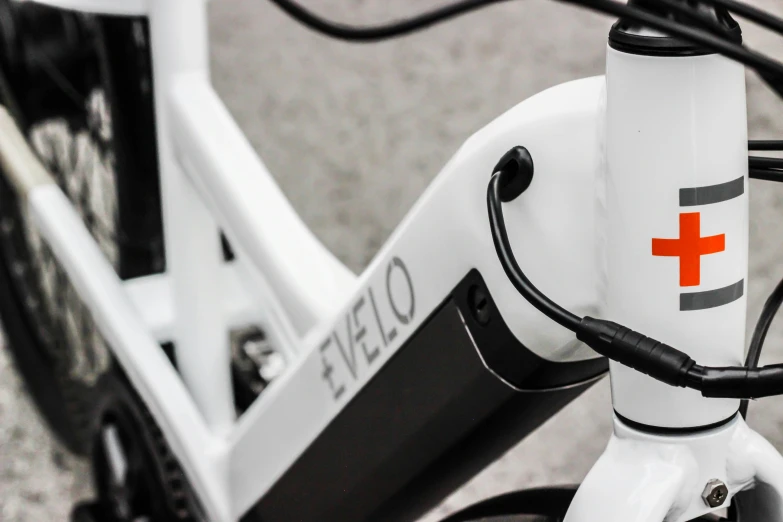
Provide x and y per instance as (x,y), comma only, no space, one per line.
(454,398)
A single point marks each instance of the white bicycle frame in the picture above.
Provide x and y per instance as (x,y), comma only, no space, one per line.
(591,255)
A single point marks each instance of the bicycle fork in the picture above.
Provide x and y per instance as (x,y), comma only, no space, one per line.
(675,222)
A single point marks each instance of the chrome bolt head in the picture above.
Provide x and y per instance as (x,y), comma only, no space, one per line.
(715,493)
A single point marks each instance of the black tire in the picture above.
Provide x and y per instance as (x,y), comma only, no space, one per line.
(529,505)
(154,486)
(37,324)
(89,512)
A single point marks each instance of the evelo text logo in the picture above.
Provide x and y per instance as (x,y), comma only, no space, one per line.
(371,325)
(690,246)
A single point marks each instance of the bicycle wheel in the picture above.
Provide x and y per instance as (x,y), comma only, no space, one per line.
(136,475)
(80,88)
(530,505)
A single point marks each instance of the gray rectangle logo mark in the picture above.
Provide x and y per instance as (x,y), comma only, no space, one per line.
(712,298)
(690,197)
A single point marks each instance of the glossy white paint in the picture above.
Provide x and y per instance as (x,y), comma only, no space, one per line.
(152,297)
(642,477)
(178,32)
(406,281)
(441,239)
(608,171)
(201,453)
(306,279)
(311,284)
(673,123)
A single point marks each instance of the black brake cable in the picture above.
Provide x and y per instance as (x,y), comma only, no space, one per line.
(503,248)
(608,339)
(769,169)
(768,312)
(770,70)
(751,13)
(765,163)
(765,145)
(374,33)
(767,174)
(612,340)
(740,53)
(630,348)
(680,8)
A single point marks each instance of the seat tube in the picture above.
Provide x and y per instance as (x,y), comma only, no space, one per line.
(676,222)
(193,252)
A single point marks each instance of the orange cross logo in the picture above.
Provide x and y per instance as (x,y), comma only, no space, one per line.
(689,247)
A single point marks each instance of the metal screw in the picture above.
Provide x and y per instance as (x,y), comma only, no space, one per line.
(479,305)
(715,493)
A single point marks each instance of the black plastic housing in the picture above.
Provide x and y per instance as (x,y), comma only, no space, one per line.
(428,421)
(633,38)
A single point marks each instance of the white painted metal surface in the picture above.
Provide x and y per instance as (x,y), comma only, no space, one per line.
(305,278)
(151,373)
(643,477)
(442,238)
(152,297)
(231,179)
(178,32)
(650,140)
(406,281)
(673,124)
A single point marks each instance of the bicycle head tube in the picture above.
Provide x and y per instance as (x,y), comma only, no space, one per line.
(676,217)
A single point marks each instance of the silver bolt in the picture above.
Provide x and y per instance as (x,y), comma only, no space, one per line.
(715,493)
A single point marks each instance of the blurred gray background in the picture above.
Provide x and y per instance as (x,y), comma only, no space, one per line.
(354,133)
